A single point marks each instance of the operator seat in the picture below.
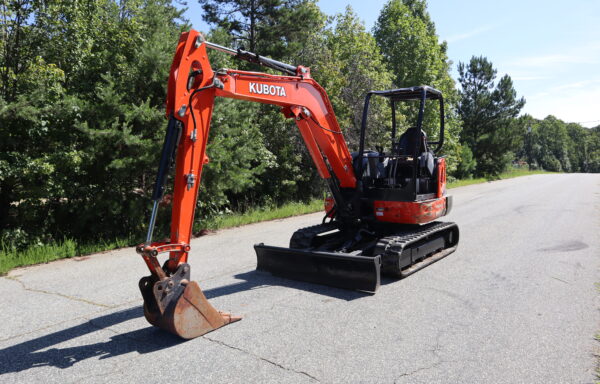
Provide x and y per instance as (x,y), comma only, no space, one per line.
(406,147)
(406,143)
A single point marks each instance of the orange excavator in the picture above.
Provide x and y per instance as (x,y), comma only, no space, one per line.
(380,218)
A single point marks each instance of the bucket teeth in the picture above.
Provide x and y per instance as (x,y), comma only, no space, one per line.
(178,305)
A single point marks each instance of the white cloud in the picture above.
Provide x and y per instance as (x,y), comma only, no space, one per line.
(580,106)
(575,85)
(571,86)
(527,78)
(552,60)
(467,35)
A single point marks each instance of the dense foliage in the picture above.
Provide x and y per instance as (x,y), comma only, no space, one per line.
(81,115)
(410,46)
(554,145)
(83,83)
(488,112)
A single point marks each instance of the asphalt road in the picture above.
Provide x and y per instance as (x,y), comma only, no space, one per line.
(518,302)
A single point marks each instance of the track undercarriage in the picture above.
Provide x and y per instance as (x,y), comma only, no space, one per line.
(326,254)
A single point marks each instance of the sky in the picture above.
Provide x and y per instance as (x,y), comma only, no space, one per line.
(550,49)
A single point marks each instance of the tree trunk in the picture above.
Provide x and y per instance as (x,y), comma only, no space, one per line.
(5,201)
(252,25)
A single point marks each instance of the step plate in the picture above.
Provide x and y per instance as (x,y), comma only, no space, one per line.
(340,270)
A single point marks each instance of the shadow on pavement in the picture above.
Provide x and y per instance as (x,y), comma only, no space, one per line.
(35,353)
(258,279)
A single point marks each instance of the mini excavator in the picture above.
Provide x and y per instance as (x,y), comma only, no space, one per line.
(380,218)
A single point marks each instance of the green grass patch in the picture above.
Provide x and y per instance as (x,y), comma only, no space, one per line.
(37,254)
(263,214)
(10,258)
(504,175)
(107,245)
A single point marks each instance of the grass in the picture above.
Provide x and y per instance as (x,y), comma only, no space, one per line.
(37,254)
(515,172)
(264,214)
(10,258)
(67,248)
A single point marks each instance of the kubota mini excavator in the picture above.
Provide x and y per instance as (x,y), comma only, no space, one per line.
(383,206)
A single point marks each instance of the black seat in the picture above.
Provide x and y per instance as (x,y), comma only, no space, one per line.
(408,140)
(373,165)
(406,147)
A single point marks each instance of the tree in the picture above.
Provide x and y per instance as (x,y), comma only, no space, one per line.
(274,28)
(83,119)
(15,45)
(555,145)
(577,146)
(553,140)
(466,165)
(488,111)
(407,38)
(280,29)
(236,148)
(408,42)
(31,96)
(593,150)
(349,65)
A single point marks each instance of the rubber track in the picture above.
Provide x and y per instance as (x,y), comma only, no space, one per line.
(393,246)
(303,237)
(389,247)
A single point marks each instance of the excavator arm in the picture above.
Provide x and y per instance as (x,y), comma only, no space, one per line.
(192,88)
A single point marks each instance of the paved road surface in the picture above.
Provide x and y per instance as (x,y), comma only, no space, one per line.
(517,303)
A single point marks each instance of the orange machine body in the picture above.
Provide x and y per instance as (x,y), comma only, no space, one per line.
(190,99)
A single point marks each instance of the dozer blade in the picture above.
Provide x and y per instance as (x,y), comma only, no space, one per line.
(340,270)
(177,305)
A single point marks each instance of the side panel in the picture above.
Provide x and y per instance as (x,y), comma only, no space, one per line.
(329,203)
(409,212)
(441,174)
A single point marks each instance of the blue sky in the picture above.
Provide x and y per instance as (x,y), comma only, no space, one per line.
(551,49)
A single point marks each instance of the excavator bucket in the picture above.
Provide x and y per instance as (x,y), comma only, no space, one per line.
(177,305)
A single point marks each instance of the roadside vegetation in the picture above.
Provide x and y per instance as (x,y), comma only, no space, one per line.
(11,257)
(82,90)
(256,215)
(508,174)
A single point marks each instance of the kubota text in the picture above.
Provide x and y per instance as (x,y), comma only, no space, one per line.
(265,89)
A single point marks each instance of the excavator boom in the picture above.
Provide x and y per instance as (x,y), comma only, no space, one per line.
(172,301)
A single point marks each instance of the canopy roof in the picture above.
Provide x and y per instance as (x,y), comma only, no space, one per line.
(411,93)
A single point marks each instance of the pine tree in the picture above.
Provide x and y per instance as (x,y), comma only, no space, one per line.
(488,111)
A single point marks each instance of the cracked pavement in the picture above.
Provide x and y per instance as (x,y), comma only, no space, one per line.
(516,303)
